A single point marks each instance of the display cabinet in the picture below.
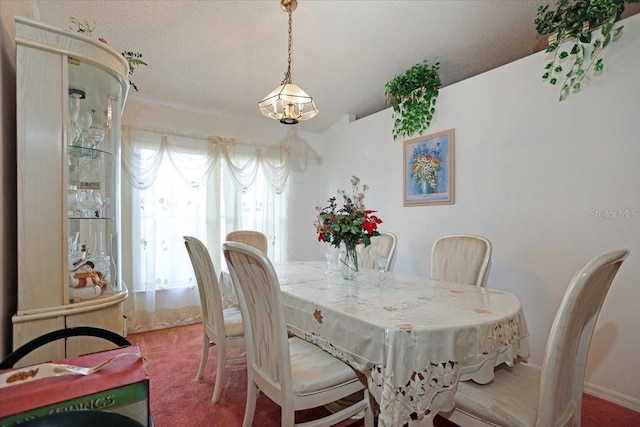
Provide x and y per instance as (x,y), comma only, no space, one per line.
(71,90)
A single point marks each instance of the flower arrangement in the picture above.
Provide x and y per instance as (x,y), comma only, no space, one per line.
(425,166)
(133,58)
(351,224)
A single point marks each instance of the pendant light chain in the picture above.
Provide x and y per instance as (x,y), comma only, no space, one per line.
(287,75)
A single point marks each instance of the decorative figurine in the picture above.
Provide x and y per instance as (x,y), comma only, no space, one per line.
(85,282)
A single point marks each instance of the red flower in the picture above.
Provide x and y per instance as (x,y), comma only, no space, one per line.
(371,222)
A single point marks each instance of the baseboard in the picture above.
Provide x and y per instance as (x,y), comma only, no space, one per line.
(612,396)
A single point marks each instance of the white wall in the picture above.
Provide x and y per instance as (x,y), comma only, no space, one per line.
(529,174)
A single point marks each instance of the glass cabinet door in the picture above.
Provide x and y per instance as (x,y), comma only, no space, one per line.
(92,139)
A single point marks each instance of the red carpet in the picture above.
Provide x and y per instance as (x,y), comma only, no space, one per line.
(177,399)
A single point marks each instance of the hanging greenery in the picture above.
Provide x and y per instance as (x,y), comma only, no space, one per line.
(575,46)
(414,93)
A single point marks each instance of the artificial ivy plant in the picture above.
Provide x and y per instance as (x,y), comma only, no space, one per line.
(414,93)
(576,48)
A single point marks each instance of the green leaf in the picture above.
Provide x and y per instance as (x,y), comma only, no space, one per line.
(553,81)
(564,54)
(136,61)
(585,38)
(599,66)
(617,32)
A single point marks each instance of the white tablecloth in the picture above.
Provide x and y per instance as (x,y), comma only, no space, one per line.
(415,338)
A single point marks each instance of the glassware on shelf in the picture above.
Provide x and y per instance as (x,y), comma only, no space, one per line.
(92,137)
(97,204)
(73,248)
(75,95)
(106,201)
(84,120)
(85,204)
(100,259)
(83,123)
(94,134)
(91,169)
(91,203)
(73,202)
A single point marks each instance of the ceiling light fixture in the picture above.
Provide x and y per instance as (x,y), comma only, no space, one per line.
(288,103)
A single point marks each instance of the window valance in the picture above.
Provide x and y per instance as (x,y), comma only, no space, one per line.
(194,157)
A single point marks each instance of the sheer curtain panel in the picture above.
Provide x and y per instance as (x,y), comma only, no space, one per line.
(188,185)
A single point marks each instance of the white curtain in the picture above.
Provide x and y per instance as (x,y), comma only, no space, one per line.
(181,185)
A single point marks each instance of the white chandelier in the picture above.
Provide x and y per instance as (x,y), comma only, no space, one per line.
(288,103)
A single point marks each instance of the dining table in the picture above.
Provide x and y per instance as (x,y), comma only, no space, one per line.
(413,337)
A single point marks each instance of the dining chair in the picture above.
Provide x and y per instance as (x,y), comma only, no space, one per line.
(252,238)
(293,373)
(381,247)
(523,396)
(462,258)
(222,326)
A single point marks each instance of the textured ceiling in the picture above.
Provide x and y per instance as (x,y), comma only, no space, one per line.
(222,57)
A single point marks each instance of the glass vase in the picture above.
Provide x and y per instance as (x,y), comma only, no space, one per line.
(349,264)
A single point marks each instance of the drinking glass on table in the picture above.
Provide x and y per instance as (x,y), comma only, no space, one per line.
(328,255)
(382,267)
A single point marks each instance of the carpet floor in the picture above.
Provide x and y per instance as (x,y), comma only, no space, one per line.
(178,399)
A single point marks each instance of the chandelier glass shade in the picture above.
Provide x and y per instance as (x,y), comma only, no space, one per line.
(288,103)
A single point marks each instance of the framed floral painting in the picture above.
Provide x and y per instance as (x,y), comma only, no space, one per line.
(428,169)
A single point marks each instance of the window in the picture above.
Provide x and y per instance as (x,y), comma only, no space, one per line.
(198,187)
